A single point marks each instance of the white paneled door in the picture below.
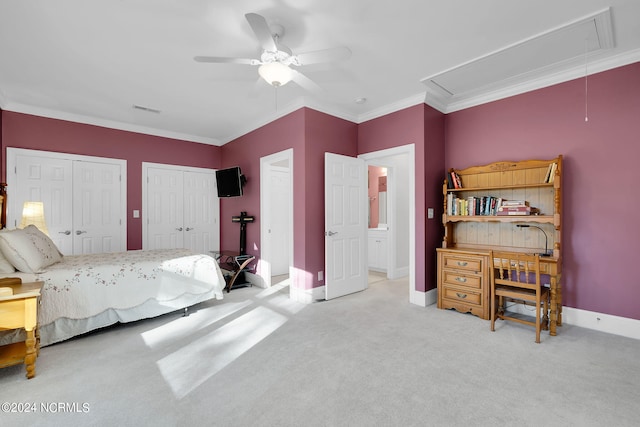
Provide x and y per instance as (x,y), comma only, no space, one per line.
(345,225)
(96,217)
(181,209)
(201,212)
(164,211)
(84,198)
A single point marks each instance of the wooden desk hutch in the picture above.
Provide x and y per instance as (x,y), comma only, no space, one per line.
(463,260)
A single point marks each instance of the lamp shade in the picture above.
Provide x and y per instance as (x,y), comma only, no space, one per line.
(33,213)
(275,73)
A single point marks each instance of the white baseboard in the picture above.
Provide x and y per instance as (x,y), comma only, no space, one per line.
(608,323)
(398,273)
(255,279)
(306,296)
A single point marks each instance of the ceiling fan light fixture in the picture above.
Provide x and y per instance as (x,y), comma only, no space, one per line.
(275,73)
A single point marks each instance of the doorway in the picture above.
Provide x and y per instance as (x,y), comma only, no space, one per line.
(276,223)
(400,200)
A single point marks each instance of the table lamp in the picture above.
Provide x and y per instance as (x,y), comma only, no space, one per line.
(33,213)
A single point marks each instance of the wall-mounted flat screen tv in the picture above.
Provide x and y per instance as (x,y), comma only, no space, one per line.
(230,182)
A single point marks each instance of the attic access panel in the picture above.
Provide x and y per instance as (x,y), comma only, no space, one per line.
(529,59)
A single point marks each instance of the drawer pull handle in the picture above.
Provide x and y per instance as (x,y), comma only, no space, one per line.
(461,296)
(462,263)
(461,279)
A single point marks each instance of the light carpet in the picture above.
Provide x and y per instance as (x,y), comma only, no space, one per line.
(368,359)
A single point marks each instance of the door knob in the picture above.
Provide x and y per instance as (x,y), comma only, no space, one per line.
(179,228)
(189,228)
(79,232)
(331,233)
(66,232)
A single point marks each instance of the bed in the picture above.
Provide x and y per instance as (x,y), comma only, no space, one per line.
(82,293)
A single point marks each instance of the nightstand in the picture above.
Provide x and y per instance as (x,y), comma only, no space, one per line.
(19,309)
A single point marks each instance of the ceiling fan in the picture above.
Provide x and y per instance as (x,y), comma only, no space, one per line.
(277,60)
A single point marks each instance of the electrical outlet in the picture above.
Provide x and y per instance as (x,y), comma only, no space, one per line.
(430,213)
(320,276)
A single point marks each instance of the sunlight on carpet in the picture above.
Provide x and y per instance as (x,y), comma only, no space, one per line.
(184,326)
(186,369)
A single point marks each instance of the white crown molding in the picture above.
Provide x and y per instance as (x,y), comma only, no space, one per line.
(392,108)
(110,124)
(431,98)
(575,72)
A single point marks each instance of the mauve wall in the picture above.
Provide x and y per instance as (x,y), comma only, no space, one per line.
(310,133)
(40,133)
(422,126)
(601,228)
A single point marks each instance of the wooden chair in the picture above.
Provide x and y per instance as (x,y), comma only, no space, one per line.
(516,277)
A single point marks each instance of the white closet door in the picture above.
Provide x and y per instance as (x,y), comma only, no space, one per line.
(97,208)
(47,180)
(201,212)
(164,209)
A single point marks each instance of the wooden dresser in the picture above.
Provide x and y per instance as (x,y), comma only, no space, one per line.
(463,282)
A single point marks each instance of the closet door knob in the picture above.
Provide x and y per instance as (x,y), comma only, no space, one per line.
(79,232)
(179,228)
(66,232)
(189,228)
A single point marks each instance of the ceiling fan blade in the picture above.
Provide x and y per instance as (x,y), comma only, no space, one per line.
(306,83)
(224,60)
(326,55)
(263,33)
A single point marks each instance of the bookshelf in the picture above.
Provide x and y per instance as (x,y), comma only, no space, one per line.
(463,273)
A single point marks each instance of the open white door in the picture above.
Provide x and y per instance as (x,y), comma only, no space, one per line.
(345,196)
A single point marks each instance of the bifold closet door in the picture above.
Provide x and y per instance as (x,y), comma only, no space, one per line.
(47,180)
(96,207)
(164,214)
(182,210)
(82,201)
(201,212)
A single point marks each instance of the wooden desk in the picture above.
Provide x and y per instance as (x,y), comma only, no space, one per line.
(553,267)
(464,283)
(20,310)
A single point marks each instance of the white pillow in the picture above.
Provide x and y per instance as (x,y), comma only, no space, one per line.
(29,250)
(5,265)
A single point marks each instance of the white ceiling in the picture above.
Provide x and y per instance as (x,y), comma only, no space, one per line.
(91,61)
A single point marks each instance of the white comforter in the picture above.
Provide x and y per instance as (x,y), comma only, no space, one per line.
(81,286)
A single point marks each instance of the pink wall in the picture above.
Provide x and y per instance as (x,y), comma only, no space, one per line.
(375,172)
(422,126)
(39,133)
(310,133)
(600,232)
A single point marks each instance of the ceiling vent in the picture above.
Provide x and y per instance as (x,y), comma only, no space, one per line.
(530,64)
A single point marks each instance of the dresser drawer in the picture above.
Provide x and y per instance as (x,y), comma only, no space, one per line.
(462,262)
(456,294)
(461,279)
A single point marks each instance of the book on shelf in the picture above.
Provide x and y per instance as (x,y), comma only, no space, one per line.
(449,181)
(515,203)
(472,205)
(514,209)
(455,179)
(551,172)
(512,213)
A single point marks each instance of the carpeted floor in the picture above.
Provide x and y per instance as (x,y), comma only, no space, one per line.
(369,359)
